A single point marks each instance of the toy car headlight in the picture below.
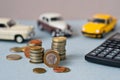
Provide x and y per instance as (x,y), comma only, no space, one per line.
(97,31)
(83,29)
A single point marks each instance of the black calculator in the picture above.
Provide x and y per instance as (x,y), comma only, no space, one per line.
(108,53)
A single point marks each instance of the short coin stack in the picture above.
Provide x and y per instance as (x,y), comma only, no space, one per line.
(58,44)
(36,54)
(35,42)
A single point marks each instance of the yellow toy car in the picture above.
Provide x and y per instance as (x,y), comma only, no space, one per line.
(99,25)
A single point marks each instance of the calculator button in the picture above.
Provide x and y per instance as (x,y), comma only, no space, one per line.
(101,55)
(112,53)
(118,55)
(93,53)
(109,56)
(117,58)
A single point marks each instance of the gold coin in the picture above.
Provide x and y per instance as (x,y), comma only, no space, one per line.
(36,57)
(59,39)
(36,62)
(34,54)
(35,47)
(14,57)
(39,70)
(16,49)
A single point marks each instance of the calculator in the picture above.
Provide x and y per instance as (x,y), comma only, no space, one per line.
(108,53)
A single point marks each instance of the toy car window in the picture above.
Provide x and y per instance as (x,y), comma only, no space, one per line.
(56,19)
(11,23)
(2,26)
(99,20)
(45,19)
(108,21)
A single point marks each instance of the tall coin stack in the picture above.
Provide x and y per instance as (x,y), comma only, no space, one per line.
(36,54)
(58,44)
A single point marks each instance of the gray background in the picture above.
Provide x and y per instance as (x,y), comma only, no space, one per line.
(70,9)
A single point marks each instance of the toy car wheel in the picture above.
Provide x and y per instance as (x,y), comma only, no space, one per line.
(19,39)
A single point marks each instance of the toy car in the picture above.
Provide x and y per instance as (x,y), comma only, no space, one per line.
(99,25)
(54,24)
(10,30)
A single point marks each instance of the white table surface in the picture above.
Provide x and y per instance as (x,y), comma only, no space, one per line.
(77,47)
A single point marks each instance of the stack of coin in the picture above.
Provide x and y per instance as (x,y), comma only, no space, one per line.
(35,42)
(58,44)
(36,54)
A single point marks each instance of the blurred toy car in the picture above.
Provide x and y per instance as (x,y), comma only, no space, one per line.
(54,24)
(10,30)
(99,25)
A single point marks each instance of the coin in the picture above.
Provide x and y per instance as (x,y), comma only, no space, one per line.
(39,70)
(27,52)
(35,42)
(36,62)
(35,47)
(61,69)
(16,49)
(34,54)
(67,70)
(51,58)
(13,57)
(59,39)
(36,57)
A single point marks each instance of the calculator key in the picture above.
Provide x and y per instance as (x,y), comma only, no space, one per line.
(109,56)
(117,58)
(112,54)
(118,55)
(93,53)
(101,55)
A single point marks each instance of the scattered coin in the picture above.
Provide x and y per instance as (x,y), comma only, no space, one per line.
(61,69)
(67,70)
(13,57)
(16,49)
(39,70)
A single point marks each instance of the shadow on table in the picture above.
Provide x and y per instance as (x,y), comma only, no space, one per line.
(70,59)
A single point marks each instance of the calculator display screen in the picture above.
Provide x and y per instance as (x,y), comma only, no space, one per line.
(117,36)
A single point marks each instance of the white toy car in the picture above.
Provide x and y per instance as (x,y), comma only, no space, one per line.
(53,23)
(10,30)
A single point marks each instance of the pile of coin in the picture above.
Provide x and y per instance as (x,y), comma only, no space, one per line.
(58,44)
(35,42)
(36,54)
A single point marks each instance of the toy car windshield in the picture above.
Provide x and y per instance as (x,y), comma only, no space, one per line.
(11,23)
(56,19)
(98,20)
